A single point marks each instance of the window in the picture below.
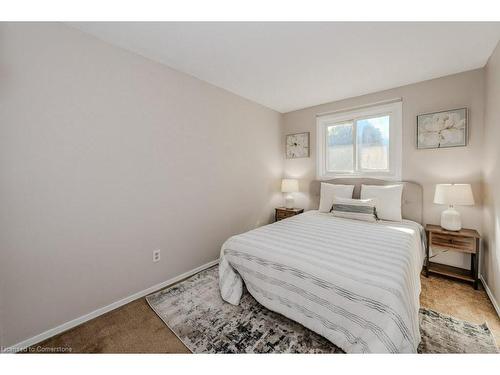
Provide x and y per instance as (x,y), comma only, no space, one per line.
(363,142)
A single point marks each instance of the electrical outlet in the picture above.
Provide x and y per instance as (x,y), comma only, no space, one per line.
(156,255)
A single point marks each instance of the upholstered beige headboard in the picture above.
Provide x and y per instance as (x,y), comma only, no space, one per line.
(411,202)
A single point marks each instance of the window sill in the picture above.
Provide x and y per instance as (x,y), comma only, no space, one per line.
(380,176)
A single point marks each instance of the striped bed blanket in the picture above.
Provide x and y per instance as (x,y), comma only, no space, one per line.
(354,282)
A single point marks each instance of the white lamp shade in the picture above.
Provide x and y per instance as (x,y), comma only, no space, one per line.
(289,185)
(454,194)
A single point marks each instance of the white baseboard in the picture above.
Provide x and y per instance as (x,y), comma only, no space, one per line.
(490,295)
(94,314)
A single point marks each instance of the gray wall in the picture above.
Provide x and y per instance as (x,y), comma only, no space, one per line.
(491,255)
(106,156)
(427,167)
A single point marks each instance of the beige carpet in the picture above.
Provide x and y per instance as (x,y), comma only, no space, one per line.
(133,328)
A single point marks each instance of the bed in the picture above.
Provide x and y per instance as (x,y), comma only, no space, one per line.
(354,282)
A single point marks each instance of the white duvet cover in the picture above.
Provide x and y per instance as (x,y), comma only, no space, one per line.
(354,282)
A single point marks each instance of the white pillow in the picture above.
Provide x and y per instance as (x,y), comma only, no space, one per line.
(329,192)
(388,200)
(357,209)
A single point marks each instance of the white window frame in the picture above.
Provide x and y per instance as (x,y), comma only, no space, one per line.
(394,110)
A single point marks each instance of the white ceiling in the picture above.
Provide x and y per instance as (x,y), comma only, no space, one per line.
(288,66)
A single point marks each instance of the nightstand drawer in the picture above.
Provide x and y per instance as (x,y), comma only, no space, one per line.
(280,215)
(283,213)
(459,243)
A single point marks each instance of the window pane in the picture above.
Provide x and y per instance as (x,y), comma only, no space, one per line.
(339,147)
(373,143)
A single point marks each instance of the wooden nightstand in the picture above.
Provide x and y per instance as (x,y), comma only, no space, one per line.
(464,241)
(282,213)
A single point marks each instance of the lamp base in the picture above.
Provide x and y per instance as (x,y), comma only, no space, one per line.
(289,201)
(450,219)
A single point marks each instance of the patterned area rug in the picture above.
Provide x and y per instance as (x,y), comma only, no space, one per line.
(195,312)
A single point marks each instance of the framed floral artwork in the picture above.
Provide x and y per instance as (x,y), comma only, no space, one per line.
(442,129)
(297,145)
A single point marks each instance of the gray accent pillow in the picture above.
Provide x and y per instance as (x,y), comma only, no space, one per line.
(357,209)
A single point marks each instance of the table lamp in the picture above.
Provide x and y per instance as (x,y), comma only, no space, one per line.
(453,195)
(289,186)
